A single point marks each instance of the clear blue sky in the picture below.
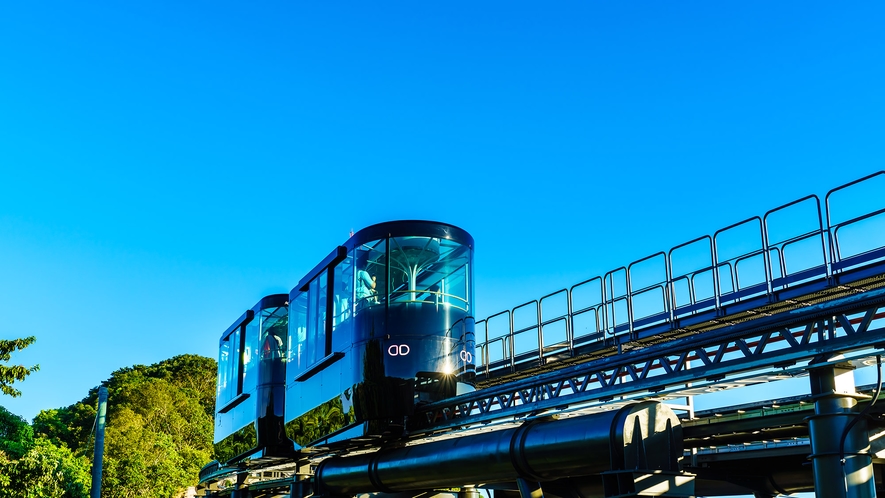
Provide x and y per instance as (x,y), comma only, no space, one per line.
(166,164)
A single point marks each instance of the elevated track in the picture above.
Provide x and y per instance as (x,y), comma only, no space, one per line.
(797,292)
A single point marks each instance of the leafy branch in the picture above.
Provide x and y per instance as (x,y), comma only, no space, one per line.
(17,373)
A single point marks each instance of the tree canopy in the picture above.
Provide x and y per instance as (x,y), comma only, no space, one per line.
(33,467)
(10,375)
(158,436)
(159,426)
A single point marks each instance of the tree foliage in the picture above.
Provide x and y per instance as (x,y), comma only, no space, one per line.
(15,373)
(35,467)
(159,426)
(16,436)
(158,435)
(45,470)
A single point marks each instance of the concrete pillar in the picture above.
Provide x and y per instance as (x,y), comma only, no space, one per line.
(835,400)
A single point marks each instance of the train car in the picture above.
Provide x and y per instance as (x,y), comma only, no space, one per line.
(379,327)
(249,403)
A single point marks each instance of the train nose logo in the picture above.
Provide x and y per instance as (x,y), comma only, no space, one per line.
(466,357)
(398,350)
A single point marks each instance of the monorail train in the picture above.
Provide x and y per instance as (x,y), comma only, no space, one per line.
(379,327)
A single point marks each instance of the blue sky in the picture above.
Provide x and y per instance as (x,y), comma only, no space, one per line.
(166,164)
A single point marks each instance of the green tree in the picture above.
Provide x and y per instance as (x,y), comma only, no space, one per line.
(16,436)
(159,426)
(45,471)
(69,426)
(35,467)
(10,375)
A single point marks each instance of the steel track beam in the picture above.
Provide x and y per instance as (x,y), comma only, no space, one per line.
(765,344)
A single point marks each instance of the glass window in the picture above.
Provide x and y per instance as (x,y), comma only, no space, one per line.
(309,349)
(224,358)
(250,356)
(316,314)
(298,333)
(274,322)
(343,298)
(308,329)
(370,276)
(429,270)
(229,358)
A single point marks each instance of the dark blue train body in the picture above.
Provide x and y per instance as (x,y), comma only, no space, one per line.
(379,327)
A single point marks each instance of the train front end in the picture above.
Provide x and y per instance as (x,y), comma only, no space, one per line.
(380,327)
(251,385)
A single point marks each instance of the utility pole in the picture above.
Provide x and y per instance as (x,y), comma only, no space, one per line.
(98,453)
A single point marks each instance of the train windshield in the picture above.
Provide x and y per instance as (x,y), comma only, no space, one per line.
(429,270)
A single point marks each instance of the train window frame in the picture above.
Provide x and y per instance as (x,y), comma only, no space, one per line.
(311,283)
(238,331)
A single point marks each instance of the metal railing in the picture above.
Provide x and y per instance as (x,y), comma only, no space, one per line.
(742,266)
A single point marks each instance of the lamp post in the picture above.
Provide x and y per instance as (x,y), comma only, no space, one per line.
(98,453)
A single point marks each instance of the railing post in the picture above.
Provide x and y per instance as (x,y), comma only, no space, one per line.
(540,332)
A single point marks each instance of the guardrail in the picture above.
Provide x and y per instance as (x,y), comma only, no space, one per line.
(739,266)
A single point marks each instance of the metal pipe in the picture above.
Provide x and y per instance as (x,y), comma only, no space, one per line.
(643,436)
(834,406)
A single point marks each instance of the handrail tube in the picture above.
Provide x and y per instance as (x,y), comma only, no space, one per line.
(834,250)
(662,288)
(800,275)
(799,237)
(793,203)
(632,292)
(571,322)
(541,322)
(567,342)
(660,253)
(731,274)
(609,297)
(672,276)
(820,225)
(835,238)
(496,315)
(844,186)
(859,218)
(783,254)
(763,238)
(766,278)
(606,308)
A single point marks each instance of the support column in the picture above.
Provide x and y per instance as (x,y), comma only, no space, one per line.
(468,492)
(241,491)
(835,399)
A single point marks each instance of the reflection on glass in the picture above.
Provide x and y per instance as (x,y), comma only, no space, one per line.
(224,357)
(274,322)
(429,270)
(298,334)
(399,314)
(343,294)
(369,277)
(321,421)
(237,443)
(229,357)
(250,356)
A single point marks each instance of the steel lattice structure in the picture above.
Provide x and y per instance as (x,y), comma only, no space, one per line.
(748,353)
